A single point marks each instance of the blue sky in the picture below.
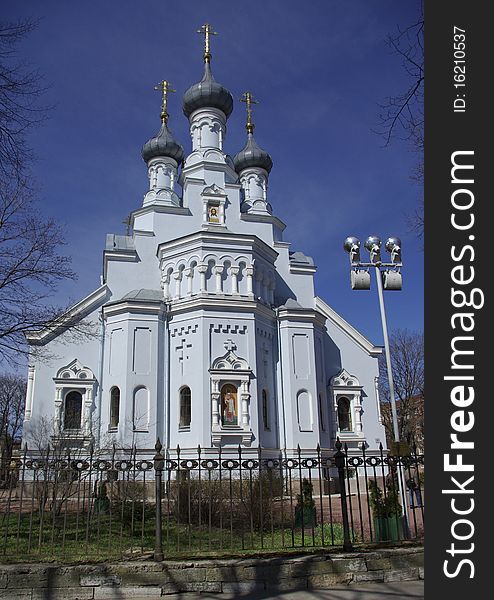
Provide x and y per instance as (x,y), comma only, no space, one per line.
(320,70)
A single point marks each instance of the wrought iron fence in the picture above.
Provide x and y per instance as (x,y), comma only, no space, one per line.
(73,505)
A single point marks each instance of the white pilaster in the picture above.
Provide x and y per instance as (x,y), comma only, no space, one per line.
(234,271)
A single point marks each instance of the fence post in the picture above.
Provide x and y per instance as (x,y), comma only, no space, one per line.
(339,459)
(159,465)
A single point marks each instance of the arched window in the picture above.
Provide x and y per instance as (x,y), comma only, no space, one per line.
(265,410)
(321,414)
(114,407)
(72,411)
(185,407)
(344,416)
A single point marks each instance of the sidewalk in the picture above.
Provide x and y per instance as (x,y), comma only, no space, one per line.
(373,591)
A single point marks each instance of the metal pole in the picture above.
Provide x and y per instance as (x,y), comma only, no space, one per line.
(159,463)
(387,353)
(339,459)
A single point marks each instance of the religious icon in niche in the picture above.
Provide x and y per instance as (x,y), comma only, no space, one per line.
(213,214)
(229,410)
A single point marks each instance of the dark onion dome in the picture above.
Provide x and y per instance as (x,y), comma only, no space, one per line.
(163,144)
(252,156)
(208,93)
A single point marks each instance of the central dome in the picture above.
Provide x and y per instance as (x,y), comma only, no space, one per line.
(208,93)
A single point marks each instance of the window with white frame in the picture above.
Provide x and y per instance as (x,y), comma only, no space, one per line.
(185,407)
(114,407)
(344,414)
(347,397)
(72,414)
(265,410)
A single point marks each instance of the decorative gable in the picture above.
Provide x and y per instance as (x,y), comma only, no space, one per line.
(345,379)
(214,199)
(75,370)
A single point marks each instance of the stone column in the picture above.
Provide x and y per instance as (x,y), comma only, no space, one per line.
(358,414)
(218,271)
(29,392)
(249,271)
(215,410)
(245,397)
(165,284)
(234,271)
(177,275)
(88,402)
(189,274)
(57,425)
(202,268)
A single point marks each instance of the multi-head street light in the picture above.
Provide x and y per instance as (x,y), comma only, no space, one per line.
(389,272)
(388,276)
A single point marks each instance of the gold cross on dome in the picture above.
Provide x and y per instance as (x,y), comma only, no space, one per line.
(207,30)
(249,100)
(164,87)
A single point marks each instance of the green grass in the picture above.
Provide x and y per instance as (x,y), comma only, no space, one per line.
(69,538)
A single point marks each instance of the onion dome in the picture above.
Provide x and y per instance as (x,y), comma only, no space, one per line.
(208,93)
(163,144)
(252,155)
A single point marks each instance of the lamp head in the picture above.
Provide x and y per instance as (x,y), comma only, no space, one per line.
(373,245)
(352,246)
(393,246)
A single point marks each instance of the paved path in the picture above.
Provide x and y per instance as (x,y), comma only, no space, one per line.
(406,590)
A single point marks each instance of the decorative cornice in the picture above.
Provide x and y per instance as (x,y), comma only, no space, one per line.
(346,328)
(300,270)
(148,307)
(159,208)
(218,238)
(74,314)
(267,218)
(219,302)
(306,315)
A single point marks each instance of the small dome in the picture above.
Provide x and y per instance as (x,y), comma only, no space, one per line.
(252,156)
(163,144)
(207,93)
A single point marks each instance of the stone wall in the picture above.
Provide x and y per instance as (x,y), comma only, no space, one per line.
(234,577)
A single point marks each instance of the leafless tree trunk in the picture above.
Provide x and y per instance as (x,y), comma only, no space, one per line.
(402,115)
(407,358)
(12,397)
(31,262)
(21,89)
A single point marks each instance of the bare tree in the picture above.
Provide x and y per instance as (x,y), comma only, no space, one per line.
(31,262)
(12,397)
(407,358)
(21,89)
(402,115)
(31,266)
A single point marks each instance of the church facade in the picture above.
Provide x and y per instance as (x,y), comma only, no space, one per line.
(208,328)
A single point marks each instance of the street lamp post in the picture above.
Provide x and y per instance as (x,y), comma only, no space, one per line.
(390,273)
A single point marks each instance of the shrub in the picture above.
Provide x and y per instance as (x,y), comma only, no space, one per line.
(305,511)
(384,505)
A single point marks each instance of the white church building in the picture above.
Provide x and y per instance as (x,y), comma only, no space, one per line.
(208,328)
